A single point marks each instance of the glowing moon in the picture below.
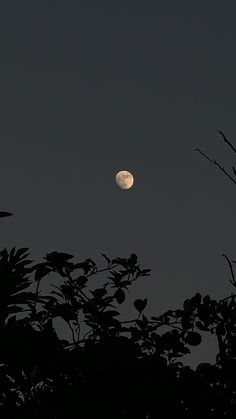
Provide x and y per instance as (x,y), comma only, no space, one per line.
(124,179)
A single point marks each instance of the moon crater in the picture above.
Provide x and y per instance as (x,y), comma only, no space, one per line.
(124,179)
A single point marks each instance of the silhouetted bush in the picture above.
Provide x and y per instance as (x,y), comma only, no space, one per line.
(110,368)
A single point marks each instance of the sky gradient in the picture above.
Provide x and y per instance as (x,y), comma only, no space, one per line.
(92,87)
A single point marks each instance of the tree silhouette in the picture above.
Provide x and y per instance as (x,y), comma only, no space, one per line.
(110,367)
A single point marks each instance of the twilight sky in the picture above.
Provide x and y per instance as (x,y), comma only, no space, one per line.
(91,87)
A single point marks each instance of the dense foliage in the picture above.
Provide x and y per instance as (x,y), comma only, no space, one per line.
(110,368)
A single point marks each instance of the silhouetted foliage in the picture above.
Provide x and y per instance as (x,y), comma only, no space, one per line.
(111,367)
(5,214)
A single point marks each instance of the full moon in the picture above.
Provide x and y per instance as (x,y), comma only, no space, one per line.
(124,179)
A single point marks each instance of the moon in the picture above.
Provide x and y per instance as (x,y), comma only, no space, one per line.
(124,179)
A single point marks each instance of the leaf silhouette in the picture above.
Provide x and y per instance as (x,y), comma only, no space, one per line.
(133,259)
(193,338)
(58,258)
(41,270)
(5,214)
(140,304)
(120,296)
(107,258)
(99,293)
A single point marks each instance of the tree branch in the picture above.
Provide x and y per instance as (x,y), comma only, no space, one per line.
(233,282)
(213,161)
(227,141)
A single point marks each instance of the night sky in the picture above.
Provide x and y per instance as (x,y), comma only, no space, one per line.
(91,87)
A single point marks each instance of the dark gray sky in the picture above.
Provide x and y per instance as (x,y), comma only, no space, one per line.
(91,87)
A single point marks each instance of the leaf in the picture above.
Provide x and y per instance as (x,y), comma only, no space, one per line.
(12,252)
(140,304)
(21,251)
(65,311)
(124,284)
(193,338)
(187,305)
(107,258)
(155,318)
(58,258)
(186,321)
(168,313)
(120,296)
(88,265)
(14,309)
(58,294)
(196,300)
(99,293)
(41,271)
(121,262)
(5,214)
(207,299)
(133,259)
(142,323)
(25,297)
(81,280)
(146,272)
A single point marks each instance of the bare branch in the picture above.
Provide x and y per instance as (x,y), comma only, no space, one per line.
(213,161)
(227,141)
(233,282)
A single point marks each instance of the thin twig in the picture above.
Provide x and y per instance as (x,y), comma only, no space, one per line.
(227,141)
(233,282)
(213,161)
